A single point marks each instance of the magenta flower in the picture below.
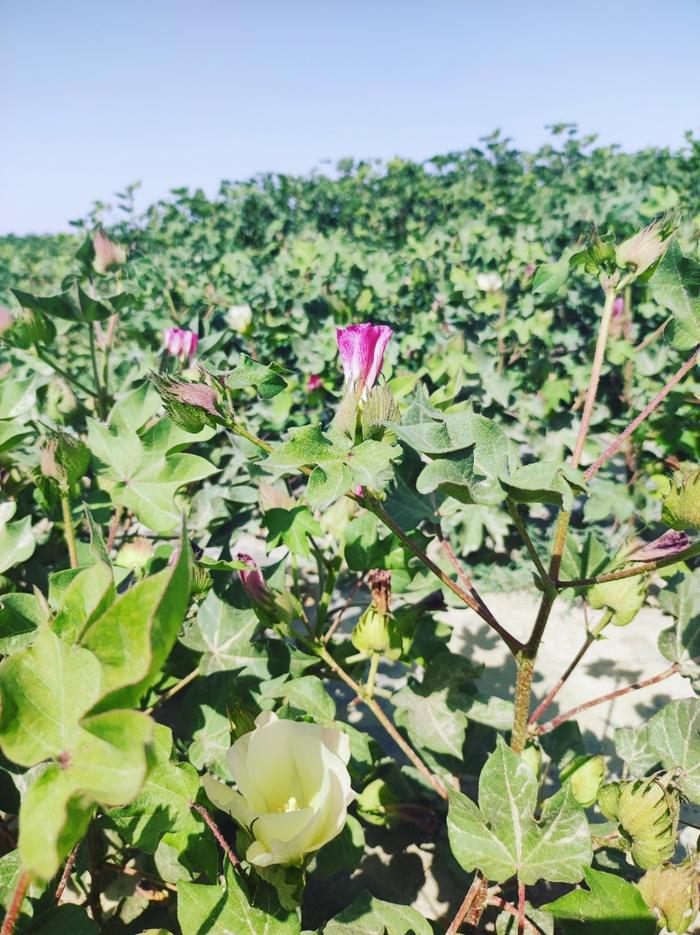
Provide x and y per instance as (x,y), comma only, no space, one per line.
(362,354)
(180,343)
(618,307)
(251,579)
(314,383)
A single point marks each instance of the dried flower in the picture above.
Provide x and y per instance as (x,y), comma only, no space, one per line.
(362,354)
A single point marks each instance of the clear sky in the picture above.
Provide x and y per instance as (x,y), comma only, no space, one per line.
(95,94)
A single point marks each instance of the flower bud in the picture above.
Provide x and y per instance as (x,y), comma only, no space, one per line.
(192,406)
(532,755)
(647,813)
(376,632)
(377,803)
(201,581)
(624,598)
(180,343)
(681,505)
(273,608)
(314,383)
(361,350)
(489,282)
(63,459)
(379,408)
(646,247)
(108,254)
(239,318)
(673,894)
(585,775)
(135,554)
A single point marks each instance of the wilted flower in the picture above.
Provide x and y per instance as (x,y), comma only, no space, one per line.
(489,282)
(108,254)
(643,249)
(314,383)
(292,788)
(239,318)
(180,342)
(362,354)
(673,894)
(670,543)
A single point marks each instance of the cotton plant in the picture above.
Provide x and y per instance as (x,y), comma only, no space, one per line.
(178,713)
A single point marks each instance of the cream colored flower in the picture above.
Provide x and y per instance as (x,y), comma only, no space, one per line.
(643,249)
(489,282)
(239,318)
(292,788)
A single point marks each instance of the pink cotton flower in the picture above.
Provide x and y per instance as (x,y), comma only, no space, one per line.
(180,343)
(251,579)
(618,307)
(362,354)
(314,383)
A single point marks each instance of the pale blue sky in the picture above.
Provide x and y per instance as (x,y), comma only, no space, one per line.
(96,94)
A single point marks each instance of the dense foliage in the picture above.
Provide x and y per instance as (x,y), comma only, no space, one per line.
(213,534)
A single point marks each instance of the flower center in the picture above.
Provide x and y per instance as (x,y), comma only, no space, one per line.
(291,805)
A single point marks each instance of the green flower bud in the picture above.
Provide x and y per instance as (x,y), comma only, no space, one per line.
(31,328)
(380,407)
(647,813)
(673,894)
(192,406)
(681,504)
(585,774)
(376,632)
(624,598)
(64,459)
(134,554)
(201,581)
(376,802)
(532,755)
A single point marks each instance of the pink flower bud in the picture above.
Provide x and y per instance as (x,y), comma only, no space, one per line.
(108,254)
(180,343)
(362,354)
(618,307)
(253,582)
(314,383)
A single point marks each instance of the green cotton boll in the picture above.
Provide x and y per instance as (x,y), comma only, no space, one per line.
(585,775)
(681,504)
(532,755)
(647,813)
(673,894)
(376,802)
(376,632)
(624,598)
(64,459)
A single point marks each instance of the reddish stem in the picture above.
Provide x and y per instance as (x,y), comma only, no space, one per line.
(473,906)
(216,831)
(521,908)
(637,421)
(67,870)
(8,926)
(499,903)
(567,715)
(341,613)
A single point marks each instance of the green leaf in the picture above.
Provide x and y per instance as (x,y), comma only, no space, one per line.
(134,636)
(501,837)
(610,906)
(164,803)
(550,277)
(676,286)
(545,482)
(674,736)
(632,746)
(65,918)
(370,916)
(223,635)
(11,432)
(87,596)
(266,381)
(308,694)
(212,910)
(680,643)
(305,446)
(16,539)
(327,483)
(292,528)
(344,852)
(507,924)
(20,616)
(143,473)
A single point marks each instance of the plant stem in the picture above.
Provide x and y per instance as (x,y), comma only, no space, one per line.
(473,906)
(378,712)
(567,715)
(8,926)
(177,687)
(499,903)
(372,674)
(68,531)
(521,701)
(67,870)
(639,568)
(114,528)
(514,512)
(615,446)
(216,831)
(69,378)
(521,908)
(478,606)
(341,613)
(591,637)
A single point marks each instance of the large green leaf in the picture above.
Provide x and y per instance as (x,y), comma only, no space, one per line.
(501,837)
(371,916)
(223,634)
(676,285)
(212,910)
(16,539)
(144,472)
(680,643)
(87,596)
(610,906)
(134,636)
(674,736)
(20,616)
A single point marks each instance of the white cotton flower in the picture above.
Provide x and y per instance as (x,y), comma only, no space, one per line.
(489,282)
(239,318)
(292,788)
